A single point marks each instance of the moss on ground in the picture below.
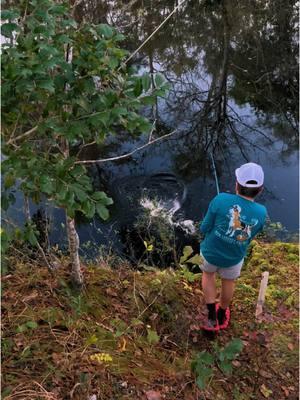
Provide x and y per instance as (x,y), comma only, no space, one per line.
(146,326)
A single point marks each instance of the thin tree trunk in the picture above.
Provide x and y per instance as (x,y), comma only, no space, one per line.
(73,238)
(73,249)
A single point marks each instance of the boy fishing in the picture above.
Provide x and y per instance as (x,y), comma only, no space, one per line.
(231,222)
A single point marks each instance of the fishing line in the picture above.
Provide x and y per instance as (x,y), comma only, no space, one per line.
(154,32)
(215,172)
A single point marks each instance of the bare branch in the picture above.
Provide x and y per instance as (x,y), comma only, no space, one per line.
(85,146)
(25,134)
(125,155)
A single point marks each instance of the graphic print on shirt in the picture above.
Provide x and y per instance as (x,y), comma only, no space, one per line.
(238,224)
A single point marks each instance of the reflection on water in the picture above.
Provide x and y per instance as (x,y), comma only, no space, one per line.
(233,73)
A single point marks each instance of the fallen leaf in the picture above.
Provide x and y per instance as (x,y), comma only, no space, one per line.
(122,345)
(265,374)
(285,390)
(31,296)
(261,339)
(111,292)
(153,395)
(265,391)
(236,363)
(290,346)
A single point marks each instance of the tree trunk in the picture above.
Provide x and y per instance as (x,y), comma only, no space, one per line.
(73,239)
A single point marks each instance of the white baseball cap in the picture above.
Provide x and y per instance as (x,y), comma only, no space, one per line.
(250,175)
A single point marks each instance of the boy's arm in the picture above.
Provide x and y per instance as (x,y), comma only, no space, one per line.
(267,220)
(261,228)
(209,219)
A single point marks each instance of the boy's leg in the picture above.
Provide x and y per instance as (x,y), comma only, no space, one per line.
(209,291)
(228,276)
(223,312)
(209,287)
(227,291)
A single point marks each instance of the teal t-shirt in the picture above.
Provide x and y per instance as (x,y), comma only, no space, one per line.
(230,223)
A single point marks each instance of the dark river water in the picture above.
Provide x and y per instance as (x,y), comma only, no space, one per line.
(233,74)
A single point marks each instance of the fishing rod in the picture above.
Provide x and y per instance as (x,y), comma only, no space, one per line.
(215,172)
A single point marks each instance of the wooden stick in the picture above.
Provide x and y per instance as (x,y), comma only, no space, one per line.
(262,293)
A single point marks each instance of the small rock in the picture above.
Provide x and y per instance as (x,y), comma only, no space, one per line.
(124,385)
(92,397)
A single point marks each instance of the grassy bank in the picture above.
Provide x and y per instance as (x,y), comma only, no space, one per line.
(133,335)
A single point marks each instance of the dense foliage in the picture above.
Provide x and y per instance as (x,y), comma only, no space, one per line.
(64,86)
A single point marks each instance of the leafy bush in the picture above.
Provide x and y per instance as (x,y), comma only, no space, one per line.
(204,363)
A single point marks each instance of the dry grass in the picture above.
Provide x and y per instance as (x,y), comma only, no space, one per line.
(148,324)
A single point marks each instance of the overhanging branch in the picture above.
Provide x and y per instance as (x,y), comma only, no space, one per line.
(126,155)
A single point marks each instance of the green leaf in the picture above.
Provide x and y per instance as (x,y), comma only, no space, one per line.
(69,22)
(80,194)
(113,62)
(105,30)
(187,251)
(21,328)
(108,201)
(83,103)
(146,82)
(205,358)
(203,377)
(31,324)
(148,100)
(221,355)
(233,348)
(47,84)
(6,391)
(136,322)
(46,184)
(159,80)
(9,181)
(117,111)
(102,211)
(99,196)
(8,29)
(152,336)
(195,260)
(62,193)
(226,367)
(89,209)
(91,340)
(138,88)
(119,37)
(32,238)
(102,197)
(9,14)
(59,9)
